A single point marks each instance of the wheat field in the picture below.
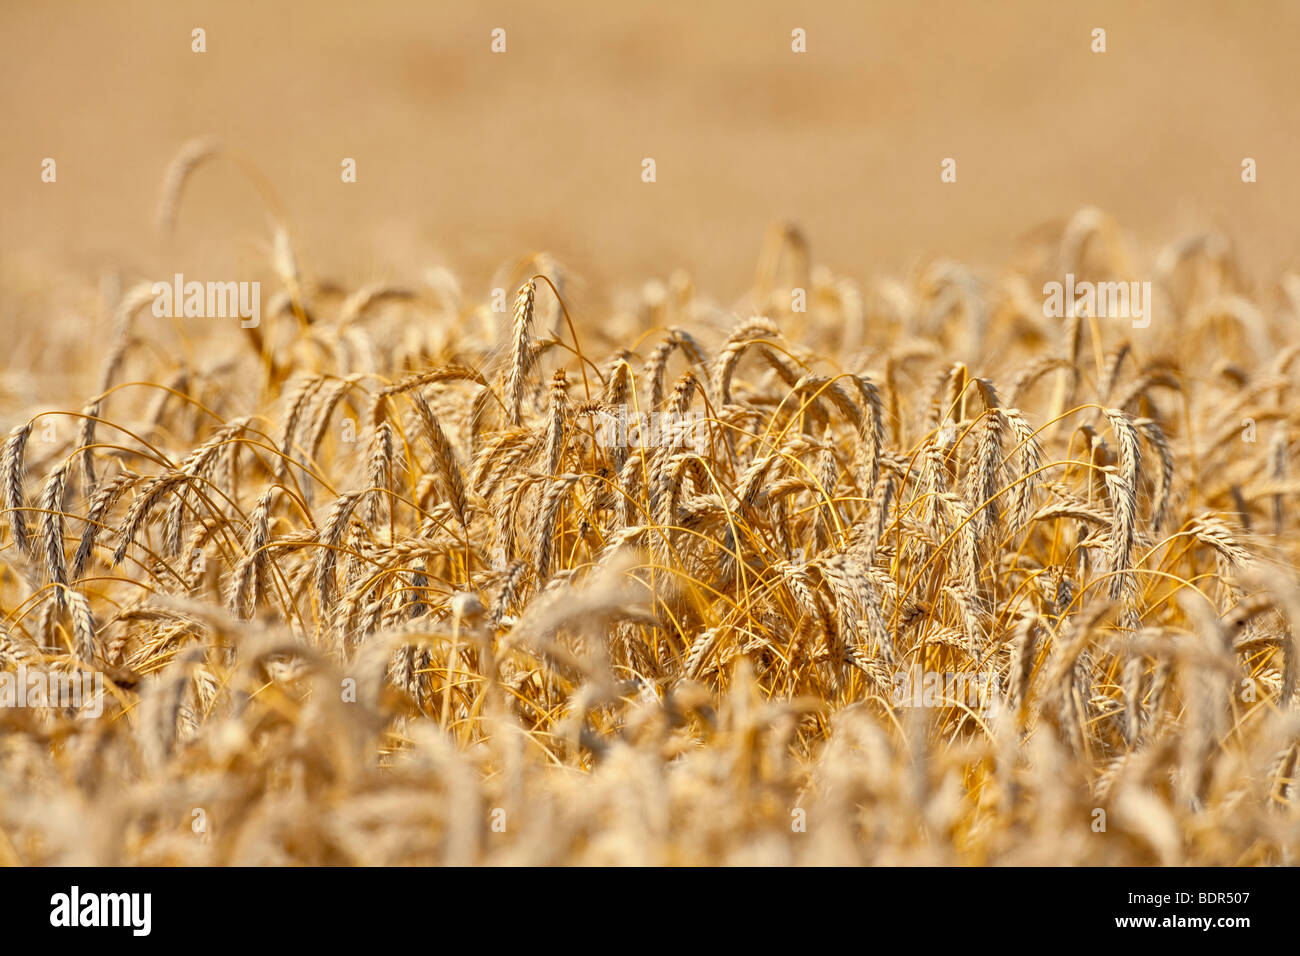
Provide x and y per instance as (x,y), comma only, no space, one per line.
(406,575)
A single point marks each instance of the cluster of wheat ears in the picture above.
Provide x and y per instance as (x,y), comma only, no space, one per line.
(368,584)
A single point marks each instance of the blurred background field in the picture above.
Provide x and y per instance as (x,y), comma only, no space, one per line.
(469,159)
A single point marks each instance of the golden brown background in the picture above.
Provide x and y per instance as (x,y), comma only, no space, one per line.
(469,159)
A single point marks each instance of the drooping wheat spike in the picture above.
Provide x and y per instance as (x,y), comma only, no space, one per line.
(656,366)
(331,537)
(200,466)
(1119,545)
(871,435)
(83,625)
(477,417)
(193,154)
(934,461)
(445,462)
(12,477)
(137,516)
(285,262)
(724,367)
(202,461)
(379,473)
(1215,533)
(123,316)
(870,530)
(51,532)
(497,460)
(680,400)
(356,305)
(1030,458)
(965,549)
(297,402)
(985,475)
(504,515)
(544,522)
(1155,437)
(948,397)
(101,502)
(827,475)
(508,593)
(1130,451)
(655,369)
(1115,361)
(253,563)
(672,436)
(856,603)
(631,488)
(1123,491)
(1130,396)
(699,651)
(618,388)
(553,444)
(697,356)
(326,402)
(136,298)
(1023,649)
(174,523)
(618,379)
(443,373)
(85,438)
(521,351)
(1031,374)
